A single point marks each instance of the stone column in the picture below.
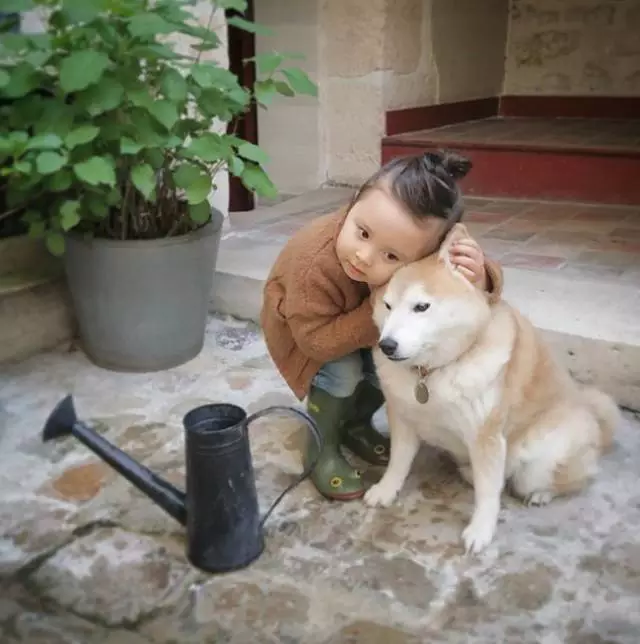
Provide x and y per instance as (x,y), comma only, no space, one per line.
(362,44)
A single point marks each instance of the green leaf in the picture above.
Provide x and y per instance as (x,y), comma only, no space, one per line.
(140,97)
(154,52)
(69,214)
(198,190)
(57,118)
(265,91)
(284,89)
(129,146)
(165,112)
(23,167)
(4,78)
(103,97)
(50,162)
(255,178)
(300,82)
(268,63)
(144,179)
(82,10)
(96,205)
(173,85)
(24,79)
(246,25)
(210,75)
(236,166)
(38,58)
(185,174)
(11,6)
(253,153)
(55,243)
(144,25)
(44,142)
(81,69)
(96,171)
(200,212)
(37,229)
(208,147)
(60,181)
(154,157)
(81,135)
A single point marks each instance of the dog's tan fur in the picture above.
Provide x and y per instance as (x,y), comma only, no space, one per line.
(499,403)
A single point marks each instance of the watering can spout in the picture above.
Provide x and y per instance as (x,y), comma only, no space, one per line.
(63,421)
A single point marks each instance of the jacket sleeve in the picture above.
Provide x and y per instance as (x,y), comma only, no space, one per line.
(321,330)
(495,280)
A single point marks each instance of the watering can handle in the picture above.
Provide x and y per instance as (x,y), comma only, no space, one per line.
(315,433)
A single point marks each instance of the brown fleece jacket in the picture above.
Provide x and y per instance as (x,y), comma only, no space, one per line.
(312,312)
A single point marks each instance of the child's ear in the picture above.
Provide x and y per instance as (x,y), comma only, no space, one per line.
(456,234)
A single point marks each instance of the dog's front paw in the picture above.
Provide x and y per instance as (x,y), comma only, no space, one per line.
(478,534)
(381,495)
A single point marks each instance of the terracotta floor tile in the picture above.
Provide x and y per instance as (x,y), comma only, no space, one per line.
(506,206)
(510,235)
(612,258)
(602,213)
(628,234)
(479,229)
(622,245)
(496,248)
(554,211)
(577,270)
(631,221)
(603,227)
(480,217)
(549,244)
(533,261)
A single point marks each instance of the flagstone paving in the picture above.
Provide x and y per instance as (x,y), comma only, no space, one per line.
(85,558)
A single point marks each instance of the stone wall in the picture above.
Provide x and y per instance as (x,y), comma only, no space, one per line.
(379,55)
(289,131)
(453,51)
(577,47)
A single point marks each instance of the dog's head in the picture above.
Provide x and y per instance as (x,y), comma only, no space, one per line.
(429,313)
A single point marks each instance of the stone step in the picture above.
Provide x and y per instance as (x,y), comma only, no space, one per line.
(592,325)
(35,314)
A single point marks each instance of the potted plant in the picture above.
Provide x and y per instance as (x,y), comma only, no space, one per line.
(114,164)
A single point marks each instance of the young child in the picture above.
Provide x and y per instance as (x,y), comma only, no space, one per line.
(317,316)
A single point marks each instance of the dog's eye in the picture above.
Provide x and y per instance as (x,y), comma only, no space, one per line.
(387,306)
(421,308)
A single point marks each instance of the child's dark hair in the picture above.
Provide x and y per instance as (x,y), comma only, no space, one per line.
(425,184)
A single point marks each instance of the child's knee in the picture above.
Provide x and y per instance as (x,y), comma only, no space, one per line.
(340,377)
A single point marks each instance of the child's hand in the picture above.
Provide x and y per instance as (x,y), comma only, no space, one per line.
(468,258)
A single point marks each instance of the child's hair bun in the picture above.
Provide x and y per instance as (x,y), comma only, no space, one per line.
(457,166)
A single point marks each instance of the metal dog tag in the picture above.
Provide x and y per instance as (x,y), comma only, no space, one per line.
(422,392)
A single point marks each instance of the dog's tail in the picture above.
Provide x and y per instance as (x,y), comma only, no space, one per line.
(607,414)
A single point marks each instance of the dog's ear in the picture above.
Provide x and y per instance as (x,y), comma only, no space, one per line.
(458,232)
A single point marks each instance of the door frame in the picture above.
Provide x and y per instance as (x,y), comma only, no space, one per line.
(241,45)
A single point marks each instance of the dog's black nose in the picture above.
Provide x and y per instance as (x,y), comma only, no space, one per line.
(388,346)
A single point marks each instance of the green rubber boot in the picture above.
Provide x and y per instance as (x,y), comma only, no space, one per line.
(333,476)
(359,435)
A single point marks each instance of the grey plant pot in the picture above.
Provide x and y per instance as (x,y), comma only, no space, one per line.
(142,306)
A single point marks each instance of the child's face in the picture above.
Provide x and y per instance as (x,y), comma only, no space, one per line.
(379,237)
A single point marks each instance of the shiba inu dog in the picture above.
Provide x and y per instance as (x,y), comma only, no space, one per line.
(479,382)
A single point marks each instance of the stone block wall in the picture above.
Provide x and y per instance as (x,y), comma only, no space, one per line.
(289,131)
(573,47)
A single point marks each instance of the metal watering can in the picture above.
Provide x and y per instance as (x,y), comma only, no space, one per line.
(220,505)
